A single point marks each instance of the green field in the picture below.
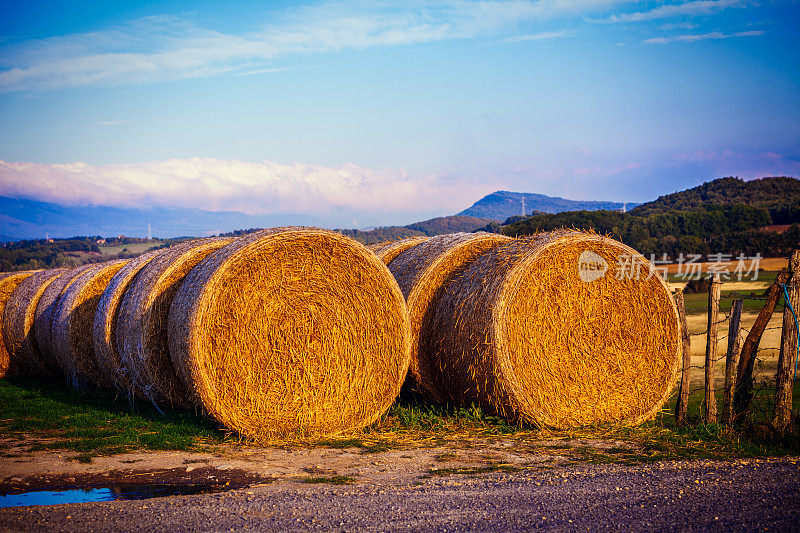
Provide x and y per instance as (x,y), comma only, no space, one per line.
(137,248)
(698,303)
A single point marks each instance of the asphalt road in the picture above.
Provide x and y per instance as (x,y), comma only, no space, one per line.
(743,495)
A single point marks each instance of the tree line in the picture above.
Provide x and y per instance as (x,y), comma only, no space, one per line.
(734,229)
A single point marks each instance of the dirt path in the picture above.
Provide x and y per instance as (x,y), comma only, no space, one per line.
(493,486)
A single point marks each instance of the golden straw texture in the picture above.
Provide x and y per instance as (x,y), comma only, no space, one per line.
(104,332)
(8,282)
(387,251)
(563,329)
(18,324)
(43,317)
(291,332)
(423,272)
(72,322)
(142,321)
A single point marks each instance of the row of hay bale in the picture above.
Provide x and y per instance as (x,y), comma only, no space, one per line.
(300,331)
(288,331)
(561,329)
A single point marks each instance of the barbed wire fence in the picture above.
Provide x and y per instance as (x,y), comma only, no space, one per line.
(761,385)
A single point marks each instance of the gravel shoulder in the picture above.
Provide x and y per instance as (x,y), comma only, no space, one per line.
(493,486)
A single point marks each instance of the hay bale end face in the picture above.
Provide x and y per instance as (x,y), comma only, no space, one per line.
(72,322)
(564,329)
(387,251)
(43,317)
(18,324)
(142,321)
(291,332)
(423,273)
(104,332)
(8,282)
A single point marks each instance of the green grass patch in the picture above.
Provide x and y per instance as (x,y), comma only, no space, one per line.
(418,416)
(47,415)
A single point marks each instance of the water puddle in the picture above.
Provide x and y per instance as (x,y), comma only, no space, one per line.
(105,494)
(46,497)
(123,485)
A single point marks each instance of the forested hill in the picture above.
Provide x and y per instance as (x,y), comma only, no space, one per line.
(776,194)
(708,219)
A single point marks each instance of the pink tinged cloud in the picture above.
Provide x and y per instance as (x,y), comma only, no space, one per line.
(265,187)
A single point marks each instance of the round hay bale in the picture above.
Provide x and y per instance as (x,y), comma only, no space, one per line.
(423,273)
(73,319)
(18,324)
(43,317)
(387,251)
(142,321)
(104,332)
(8,282)
(291,332)
(563,329)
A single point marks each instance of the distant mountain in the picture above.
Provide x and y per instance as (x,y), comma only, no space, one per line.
(451,224)
(29,219)
(503,204)
(772,193)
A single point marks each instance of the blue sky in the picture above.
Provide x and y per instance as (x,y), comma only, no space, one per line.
(366,113)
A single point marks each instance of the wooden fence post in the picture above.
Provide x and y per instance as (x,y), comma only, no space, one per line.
(712,334)
(744,372)
(683,391)
(784,376)
(731,358)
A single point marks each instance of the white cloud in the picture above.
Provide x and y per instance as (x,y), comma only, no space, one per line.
(164,48)
(697,7)
(701,37)
(678,26)
(255,188)
(541,36)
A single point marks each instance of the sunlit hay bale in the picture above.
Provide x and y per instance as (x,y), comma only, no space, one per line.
(73,320)
(142,321)
(18,324)
(562,329)
(43,316)
(387,251)
(423,272)
(8,282)
(291,332)
(104,331)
